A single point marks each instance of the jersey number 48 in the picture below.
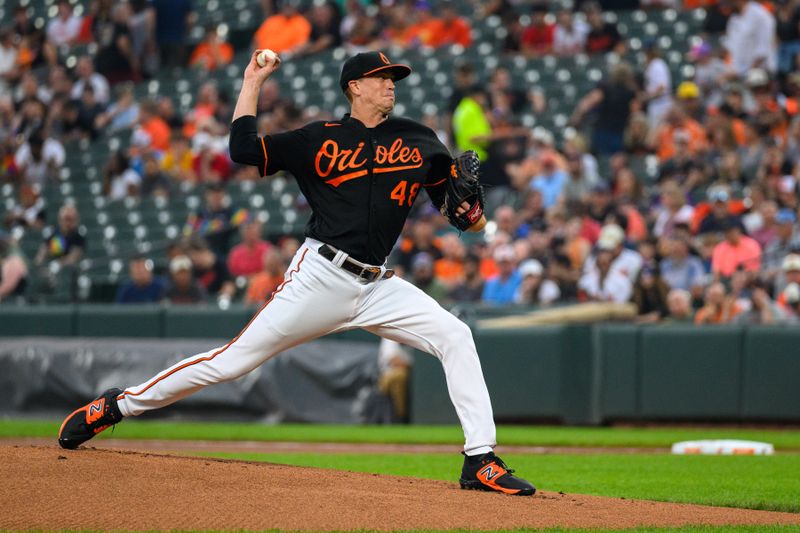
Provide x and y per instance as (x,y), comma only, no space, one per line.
(399,193)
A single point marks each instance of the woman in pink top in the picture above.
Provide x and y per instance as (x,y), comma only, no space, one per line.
(247,258)
(735,251)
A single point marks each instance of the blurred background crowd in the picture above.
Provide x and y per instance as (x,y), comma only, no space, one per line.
(643,152)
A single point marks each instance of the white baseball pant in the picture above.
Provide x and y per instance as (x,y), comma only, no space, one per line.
(317,298)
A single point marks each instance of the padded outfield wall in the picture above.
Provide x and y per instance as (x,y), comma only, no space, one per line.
(576,374)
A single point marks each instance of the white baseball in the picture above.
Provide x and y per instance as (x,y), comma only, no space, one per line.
(265,56)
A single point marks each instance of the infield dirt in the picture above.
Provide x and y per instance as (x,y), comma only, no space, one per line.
(48,488)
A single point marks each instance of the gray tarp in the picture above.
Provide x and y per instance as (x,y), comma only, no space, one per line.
(320,381)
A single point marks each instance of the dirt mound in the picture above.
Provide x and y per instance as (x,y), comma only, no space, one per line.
(50,488)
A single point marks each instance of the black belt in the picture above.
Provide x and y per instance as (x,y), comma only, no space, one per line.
(367,273)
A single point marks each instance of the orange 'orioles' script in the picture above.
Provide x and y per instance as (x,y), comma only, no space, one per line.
(331,158)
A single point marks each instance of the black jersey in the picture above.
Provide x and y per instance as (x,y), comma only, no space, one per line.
(360,182)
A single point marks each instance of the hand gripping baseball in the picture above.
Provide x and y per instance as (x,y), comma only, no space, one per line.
(463,187)
(262,64)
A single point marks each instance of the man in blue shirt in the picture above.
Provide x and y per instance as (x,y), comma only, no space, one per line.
(502,288)
(143,287)
(551,181)
(681,270)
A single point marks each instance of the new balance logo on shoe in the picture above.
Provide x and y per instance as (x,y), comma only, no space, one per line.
(95,410)
(489,473)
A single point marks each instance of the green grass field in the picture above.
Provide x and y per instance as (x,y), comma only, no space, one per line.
(769,483)
(784,440)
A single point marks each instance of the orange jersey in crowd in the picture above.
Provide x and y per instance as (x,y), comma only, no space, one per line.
(488,268)
(159,133)
(280,33)
(437,32)
(577,250)
(637,227)
(261,286)
(449,271)
(421,33)
(705,316)
(204,56)
(698,140)
(739,131)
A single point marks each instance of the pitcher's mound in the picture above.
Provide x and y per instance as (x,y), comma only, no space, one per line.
(92,489)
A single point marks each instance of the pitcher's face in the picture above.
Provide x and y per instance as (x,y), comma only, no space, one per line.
(378,91)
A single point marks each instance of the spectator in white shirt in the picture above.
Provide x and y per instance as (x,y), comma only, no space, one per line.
(8,58)
(603,283)
(39,160)
(570,34)
(87,75)
(750,37)
(65,28)
(657,84)
(623,261)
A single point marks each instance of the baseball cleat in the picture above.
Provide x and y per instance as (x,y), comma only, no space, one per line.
(489,472)
(86,422)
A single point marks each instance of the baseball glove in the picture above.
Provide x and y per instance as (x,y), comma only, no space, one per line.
(463,186)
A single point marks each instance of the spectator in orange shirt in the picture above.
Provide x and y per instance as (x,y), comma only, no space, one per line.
(676,121)
(452,29)
(212,52)
(450,268)
(423,31)
(285,31)
(735,251)
(265,282)
(152,128)
(717,307)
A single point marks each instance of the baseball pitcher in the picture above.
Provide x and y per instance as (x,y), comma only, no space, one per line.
(361,175)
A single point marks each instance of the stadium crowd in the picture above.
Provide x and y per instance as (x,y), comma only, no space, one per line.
(711,238)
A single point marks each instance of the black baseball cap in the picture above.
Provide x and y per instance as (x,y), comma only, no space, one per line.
(366,63)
